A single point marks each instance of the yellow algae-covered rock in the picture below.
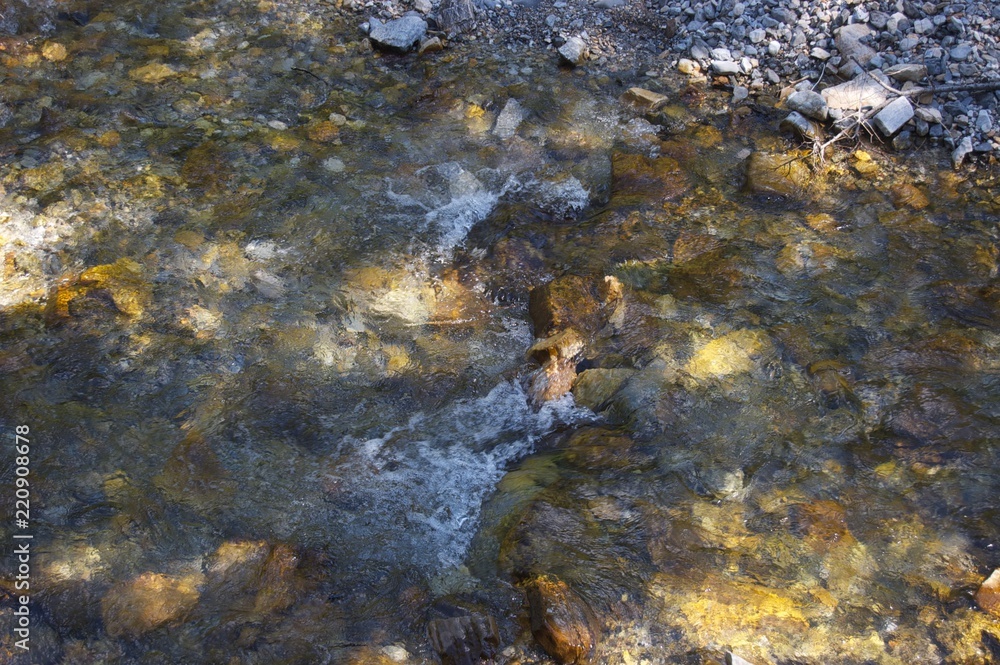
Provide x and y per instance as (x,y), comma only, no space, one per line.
(54,51)
(324,131)
(967,637)
(154,72)
(124,281)
(121,282)
(780,175)
(909,195)
(147,602)
(731,354)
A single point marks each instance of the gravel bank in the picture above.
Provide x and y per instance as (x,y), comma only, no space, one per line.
(760,47)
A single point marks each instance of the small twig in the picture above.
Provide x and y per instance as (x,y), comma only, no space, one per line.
(318,78)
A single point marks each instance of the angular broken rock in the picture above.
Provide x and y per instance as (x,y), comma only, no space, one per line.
(891,119)
(907,72)
(400,34)
(808,103)
(456,16)
(574,51)
(509,119)
(645,98)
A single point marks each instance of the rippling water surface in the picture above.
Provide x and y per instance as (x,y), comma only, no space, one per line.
(265,311)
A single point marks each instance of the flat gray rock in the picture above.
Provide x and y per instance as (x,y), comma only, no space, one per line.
(400,34)
(891,119)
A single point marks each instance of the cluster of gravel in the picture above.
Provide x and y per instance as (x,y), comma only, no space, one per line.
(764,45)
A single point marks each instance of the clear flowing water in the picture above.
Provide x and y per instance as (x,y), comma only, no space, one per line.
(265,313)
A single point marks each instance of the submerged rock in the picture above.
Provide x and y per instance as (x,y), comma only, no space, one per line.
(464,640)
(147,602)
(254,577)
(781,175)
(572,301)
(400,35)
(121,283)
(561,621)
(645,178)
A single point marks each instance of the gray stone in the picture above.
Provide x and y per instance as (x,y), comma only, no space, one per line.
(423,6)
(401,34)
(740,93)
(757,36)
(928,114)
(878,20)
(699,52)
(963,149)
(908,43)
(898,22)
(896,113)
(820,54)
(984,123)
(923,26)
(785,15)
(721,54)
(773,47)
(726,67)
(907,72)
(456,16)
(574,51)
(802,126)
(961,52)
(508,120)
(808,103)
(609,4)
(849,44)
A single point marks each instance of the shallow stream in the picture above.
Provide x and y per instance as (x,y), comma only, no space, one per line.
(265,310)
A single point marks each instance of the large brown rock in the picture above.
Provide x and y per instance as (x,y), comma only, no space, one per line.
(572,301)
(561,621)
(656,179)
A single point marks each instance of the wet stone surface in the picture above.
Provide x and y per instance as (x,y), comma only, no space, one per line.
(331,354)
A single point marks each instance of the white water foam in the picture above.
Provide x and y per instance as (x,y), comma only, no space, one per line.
(451,199)
(421,486)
